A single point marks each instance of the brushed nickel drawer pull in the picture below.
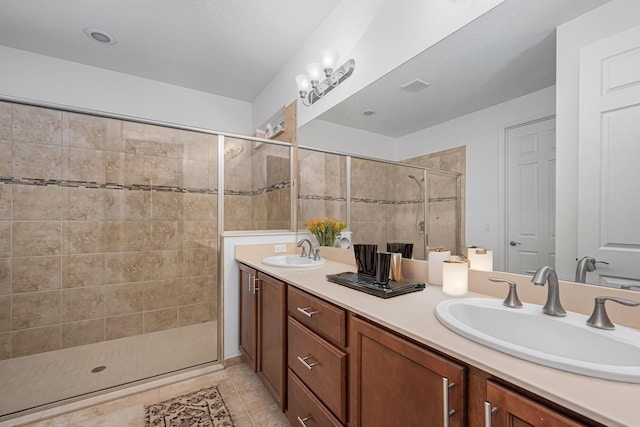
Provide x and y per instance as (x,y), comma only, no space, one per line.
(306,312)
(446,386)
(302,420)
(488,412)
(303,360)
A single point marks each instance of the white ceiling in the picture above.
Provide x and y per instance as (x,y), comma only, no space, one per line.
(231,48)
(506,53)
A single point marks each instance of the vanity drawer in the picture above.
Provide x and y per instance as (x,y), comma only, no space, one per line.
(321,366)
(319,316)
(304,409)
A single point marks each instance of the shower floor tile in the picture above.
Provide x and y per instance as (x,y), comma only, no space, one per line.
(36,380)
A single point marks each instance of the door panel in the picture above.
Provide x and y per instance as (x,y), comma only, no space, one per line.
(608,206)
(531,167)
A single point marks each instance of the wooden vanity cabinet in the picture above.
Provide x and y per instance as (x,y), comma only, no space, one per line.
(394,382)
(508,408)
(317,361)
(263,329)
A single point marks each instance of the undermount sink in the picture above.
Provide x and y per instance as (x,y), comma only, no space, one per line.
(565,343)
(292,261)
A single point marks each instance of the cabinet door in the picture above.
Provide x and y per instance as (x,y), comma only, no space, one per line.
(506,408)
(248,316)
(394,382)
(271,335)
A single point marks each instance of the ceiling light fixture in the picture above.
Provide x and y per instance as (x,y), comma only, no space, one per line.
(100,36)
(311,88)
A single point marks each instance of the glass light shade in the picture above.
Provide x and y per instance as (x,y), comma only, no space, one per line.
(329,58)
(455,277)
(304,85)
(480,259)
(314,71)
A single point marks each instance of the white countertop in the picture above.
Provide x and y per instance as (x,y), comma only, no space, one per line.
(413,315)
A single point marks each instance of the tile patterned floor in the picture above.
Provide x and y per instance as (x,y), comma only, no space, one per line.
(249,403)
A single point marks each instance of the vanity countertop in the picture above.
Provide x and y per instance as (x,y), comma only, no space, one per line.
(413,315)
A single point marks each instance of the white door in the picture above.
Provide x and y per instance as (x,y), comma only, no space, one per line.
(609,158)
(531,195)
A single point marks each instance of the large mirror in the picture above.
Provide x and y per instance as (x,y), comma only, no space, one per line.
(488,93)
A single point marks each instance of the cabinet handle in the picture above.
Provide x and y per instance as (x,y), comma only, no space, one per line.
(488,412)
(302,420)
(252,282)
(255,279)
(309,366)
(307,313)
(445,401)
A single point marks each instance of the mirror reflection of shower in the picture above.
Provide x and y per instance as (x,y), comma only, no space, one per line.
(419,224)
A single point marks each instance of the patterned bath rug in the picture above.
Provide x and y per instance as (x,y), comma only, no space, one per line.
(202,408)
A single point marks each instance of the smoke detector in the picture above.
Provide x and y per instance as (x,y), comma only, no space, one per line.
(414,85)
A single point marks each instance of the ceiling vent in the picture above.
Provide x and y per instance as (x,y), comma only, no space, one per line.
(414,85)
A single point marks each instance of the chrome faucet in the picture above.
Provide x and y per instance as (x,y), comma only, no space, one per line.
(548,275)
(304,252)
(587,263)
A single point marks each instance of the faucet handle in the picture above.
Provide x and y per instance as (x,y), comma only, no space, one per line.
(599,318)
(512,299)
(316,254)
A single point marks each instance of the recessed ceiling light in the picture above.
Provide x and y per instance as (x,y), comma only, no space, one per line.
(100,36)
(368,113)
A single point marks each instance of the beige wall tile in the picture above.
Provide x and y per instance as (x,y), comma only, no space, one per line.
(124,326)
(82,333)
(124,299)
(5,121)
(124,267)
(195,145)
(125,205)
(36,125)
(162,264)
(193,314)
(35,274)
(197,262)
(83,204)
(83,304)
(164,205)
(5,239)
(36,239)
(195,174)
(6,160)
(161,294)
(83,271)
(83,237)
(35,310)
(124,169)
(197,233)
(37,202)
(125,236)
(98,133)
(194,290)
(83,165)
(33,341)
(5,346)
(5,276)
(160,320)
(37,161)
(237,212)
(6,191)
(162,235)
(5,313)
(199,207)
(151,140)
(161,171)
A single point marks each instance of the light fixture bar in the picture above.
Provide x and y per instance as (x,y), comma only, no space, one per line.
(310,87)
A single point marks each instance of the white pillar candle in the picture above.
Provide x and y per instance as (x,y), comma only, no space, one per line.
(480,259)
(436,258)
(455,277)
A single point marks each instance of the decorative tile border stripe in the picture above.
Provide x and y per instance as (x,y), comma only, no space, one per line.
(106,186)
(325,198)
(137,187)
(372,201)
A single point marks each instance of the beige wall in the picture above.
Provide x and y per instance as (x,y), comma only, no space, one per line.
(107,229)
